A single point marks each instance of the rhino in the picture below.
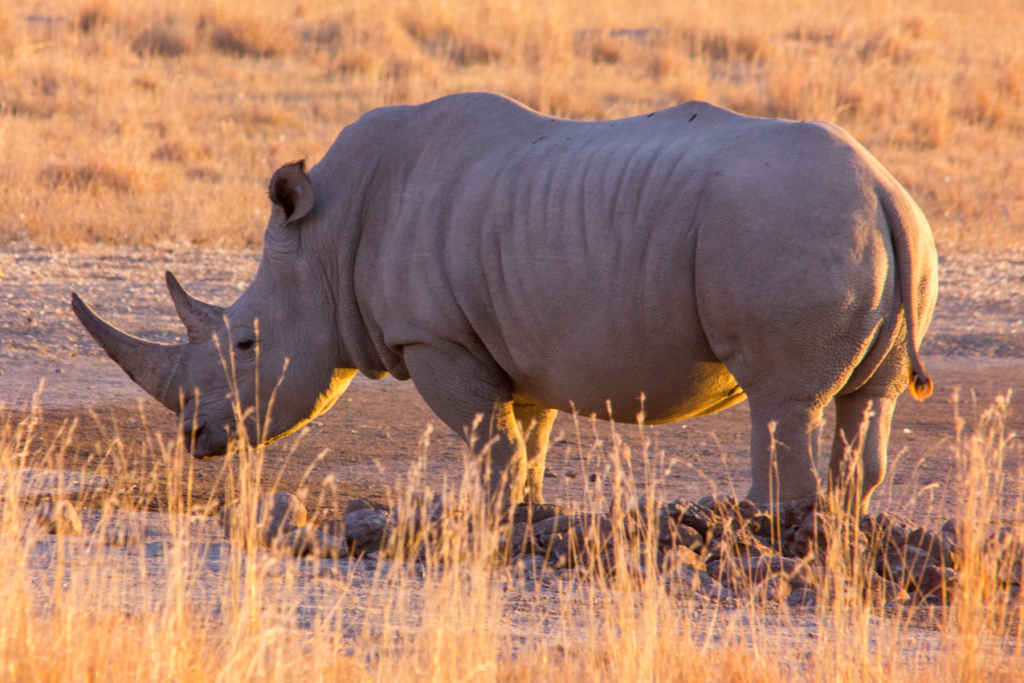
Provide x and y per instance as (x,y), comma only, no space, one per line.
(514,265)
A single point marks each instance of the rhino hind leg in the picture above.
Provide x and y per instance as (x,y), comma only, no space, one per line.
(535,423)
(465,391)
(860,446)
(785,441)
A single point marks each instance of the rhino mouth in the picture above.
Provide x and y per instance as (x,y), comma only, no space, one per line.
(206,443)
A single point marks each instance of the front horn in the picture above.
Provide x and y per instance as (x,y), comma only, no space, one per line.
(201,319)
(152,366)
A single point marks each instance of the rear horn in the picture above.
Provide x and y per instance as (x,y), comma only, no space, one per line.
(201,319)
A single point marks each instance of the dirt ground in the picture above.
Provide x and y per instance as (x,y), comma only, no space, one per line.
(372,435)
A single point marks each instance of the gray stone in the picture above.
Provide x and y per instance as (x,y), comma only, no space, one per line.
(58,517)
(697,517)
(275,515)
(905,566)
(740,573)
(941,550)
(124,536)
(585,544)
(679,555)
(671,534)
(686,580)
(364,530)
(364,504)
(544,530)
(885,591)
(802,597)
(938,581)
(792,513)
(950,532)
(535,513)
(305,541)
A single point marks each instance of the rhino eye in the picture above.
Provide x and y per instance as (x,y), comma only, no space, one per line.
(244,345)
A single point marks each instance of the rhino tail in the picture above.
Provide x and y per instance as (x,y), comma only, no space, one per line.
(911,249)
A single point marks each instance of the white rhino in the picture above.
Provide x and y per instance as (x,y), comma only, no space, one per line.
(513,264)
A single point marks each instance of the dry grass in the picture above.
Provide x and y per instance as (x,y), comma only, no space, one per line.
(459,614)
(135,122)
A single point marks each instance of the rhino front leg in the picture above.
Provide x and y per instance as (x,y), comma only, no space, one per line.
(459,387)
(535,423)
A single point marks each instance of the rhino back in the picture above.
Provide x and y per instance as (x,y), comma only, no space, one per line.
(564,251)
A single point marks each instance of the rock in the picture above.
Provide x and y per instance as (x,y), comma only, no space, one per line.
(802,597)
(276,514)
(735,544)
(686,580)
(904,566)
(941,550)
(525,512)
(518,541)
(700,519)
(305,541)
(792,513)
(419,516)
(774,589)
(950,532)
(939,581)
(124,536)
(679,555)
(893,529)
(357,504)
(333,527)
(762,525)
(584,544)
(741,573)
(671,534)
(544,530)
(58,517)
(364,530)
(809,539)
(1007,548)
(885,591)
(299,542)
(729,507)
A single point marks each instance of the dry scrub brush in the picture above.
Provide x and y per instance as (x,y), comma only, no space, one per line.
(441,602)
(124,121)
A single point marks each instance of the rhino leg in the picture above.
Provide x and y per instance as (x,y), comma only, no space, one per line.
(461,388)
(785,440)
(860,446)
(535,424)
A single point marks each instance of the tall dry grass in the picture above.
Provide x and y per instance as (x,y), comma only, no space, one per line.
(442,604)
(128,122)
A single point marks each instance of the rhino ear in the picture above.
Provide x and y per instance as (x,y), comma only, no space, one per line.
(291,190)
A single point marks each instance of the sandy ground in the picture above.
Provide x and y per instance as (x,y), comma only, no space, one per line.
(371,436)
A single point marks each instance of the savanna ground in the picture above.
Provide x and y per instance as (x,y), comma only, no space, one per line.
(137,137)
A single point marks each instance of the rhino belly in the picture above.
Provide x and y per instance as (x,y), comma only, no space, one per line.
(663,394)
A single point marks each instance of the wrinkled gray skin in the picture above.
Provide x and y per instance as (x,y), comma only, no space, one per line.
(513,265)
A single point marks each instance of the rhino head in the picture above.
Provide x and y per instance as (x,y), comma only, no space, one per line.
(268,362)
